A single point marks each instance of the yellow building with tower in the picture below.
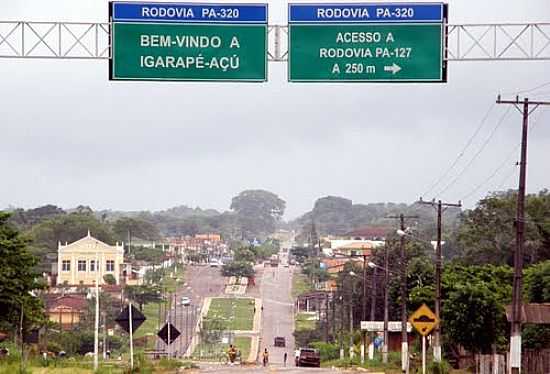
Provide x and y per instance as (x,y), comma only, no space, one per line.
(88,259)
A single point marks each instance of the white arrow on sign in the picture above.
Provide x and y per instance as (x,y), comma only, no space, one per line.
(393,68)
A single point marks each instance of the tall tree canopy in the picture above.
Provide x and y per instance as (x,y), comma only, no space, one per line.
(136,228)
(487,234)
(17,278)
(258,212)
(65,228)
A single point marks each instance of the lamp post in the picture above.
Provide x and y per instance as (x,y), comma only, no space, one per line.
(342,313)
(386,302)
(438,270)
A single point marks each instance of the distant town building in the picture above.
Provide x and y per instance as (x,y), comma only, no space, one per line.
(207,244)
(81,262)
(66,310)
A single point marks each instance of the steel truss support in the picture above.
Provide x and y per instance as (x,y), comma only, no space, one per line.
(70,40)
(58,40)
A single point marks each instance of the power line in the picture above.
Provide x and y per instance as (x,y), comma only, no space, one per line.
(528,89)
(507,178)
(499,123)
(459,157)
(503,164)
(492,175)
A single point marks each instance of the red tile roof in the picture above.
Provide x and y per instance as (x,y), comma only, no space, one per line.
(76,302)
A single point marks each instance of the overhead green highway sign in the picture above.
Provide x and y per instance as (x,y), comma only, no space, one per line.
(367,42)
(188,42)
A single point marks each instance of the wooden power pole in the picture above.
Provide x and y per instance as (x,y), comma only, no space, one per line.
(440,207)
(524,107)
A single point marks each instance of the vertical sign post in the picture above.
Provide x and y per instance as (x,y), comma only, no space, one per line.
(188,42)
(374,42)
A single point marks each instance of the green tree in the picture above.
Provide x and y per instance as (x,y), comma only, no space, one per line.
(65,228)
(487,233)
(18,278)
(109,279)
(135,228)
(258,212)
(238,269)
(245,254)
(143,294)
(27,218)
(537,290)
(475,296)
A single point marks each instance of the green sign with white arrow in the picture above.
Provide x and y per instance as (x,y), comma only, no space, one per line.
(366,52)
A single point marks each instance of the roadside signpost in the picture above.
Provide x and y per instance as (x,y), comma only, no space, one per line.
(424,321)
(137,318)
(372,42)
(377,326)
(169,333)
(188,42)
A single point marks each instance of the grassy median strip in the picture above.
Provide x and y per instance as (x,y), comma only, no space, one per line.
(236,313)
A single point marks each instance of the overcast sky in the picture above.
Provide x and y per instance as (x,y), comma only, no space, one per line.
(68,136)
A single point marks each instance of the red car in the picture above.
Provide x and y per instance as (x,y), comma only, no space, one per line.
(308,357)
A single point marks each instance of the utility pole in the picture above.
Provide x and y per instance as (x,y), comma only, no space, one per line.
(326,317)
(96,322)
(372,313)
(352,291)
(386,306)
(404,335)
(438,269)
(342,324)
(333,302)
(364,309)
(515,333)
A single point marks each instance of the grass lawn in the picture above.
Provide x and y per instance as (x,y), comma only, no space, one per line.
(151,312)
(238,313)
(300,284)
(304,323)
(172,283)
(241,342)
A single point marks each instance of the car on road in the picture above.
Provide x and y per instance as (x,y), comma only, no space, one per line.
(185,301)
(215,263)
(279,341)
(308,357)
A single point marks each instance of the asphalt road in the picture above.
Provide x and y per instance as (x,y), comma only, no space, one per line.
(278,312)
(270,369)
(200,282)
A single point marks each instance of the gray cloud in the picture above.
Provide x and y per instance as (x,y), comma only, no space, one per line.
(69,136)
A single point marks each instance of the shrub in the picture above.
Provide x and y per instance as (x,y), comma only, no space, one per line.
(328,351)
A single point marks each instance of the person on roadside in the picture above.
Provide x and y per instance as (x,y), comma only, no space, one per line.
(232,353)
(265,357)
(284,358)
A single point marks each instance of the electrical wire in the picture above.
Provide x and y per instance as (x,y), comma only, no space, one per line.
(493,132)
(528,89)
(503,164)
(506,178)
(492,175)
(461,154)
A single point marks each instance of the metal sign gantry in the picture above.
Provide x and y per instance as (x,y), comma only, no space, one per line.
(79,40)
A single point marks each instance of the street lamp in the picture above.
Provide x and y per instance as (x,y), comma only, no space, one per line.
(345,275)
(438,271)
(386,302)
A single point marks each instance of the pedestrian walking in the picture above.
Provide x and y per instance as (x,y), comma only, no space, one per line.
(265,357)
(284,358)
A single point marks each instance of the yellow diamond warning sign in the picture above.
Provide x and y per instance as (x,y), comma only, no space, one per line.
(424,320)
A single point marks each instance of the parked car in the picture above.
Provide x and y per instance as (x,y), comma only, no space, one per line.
(308,357)
(279,341)
(185,301)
